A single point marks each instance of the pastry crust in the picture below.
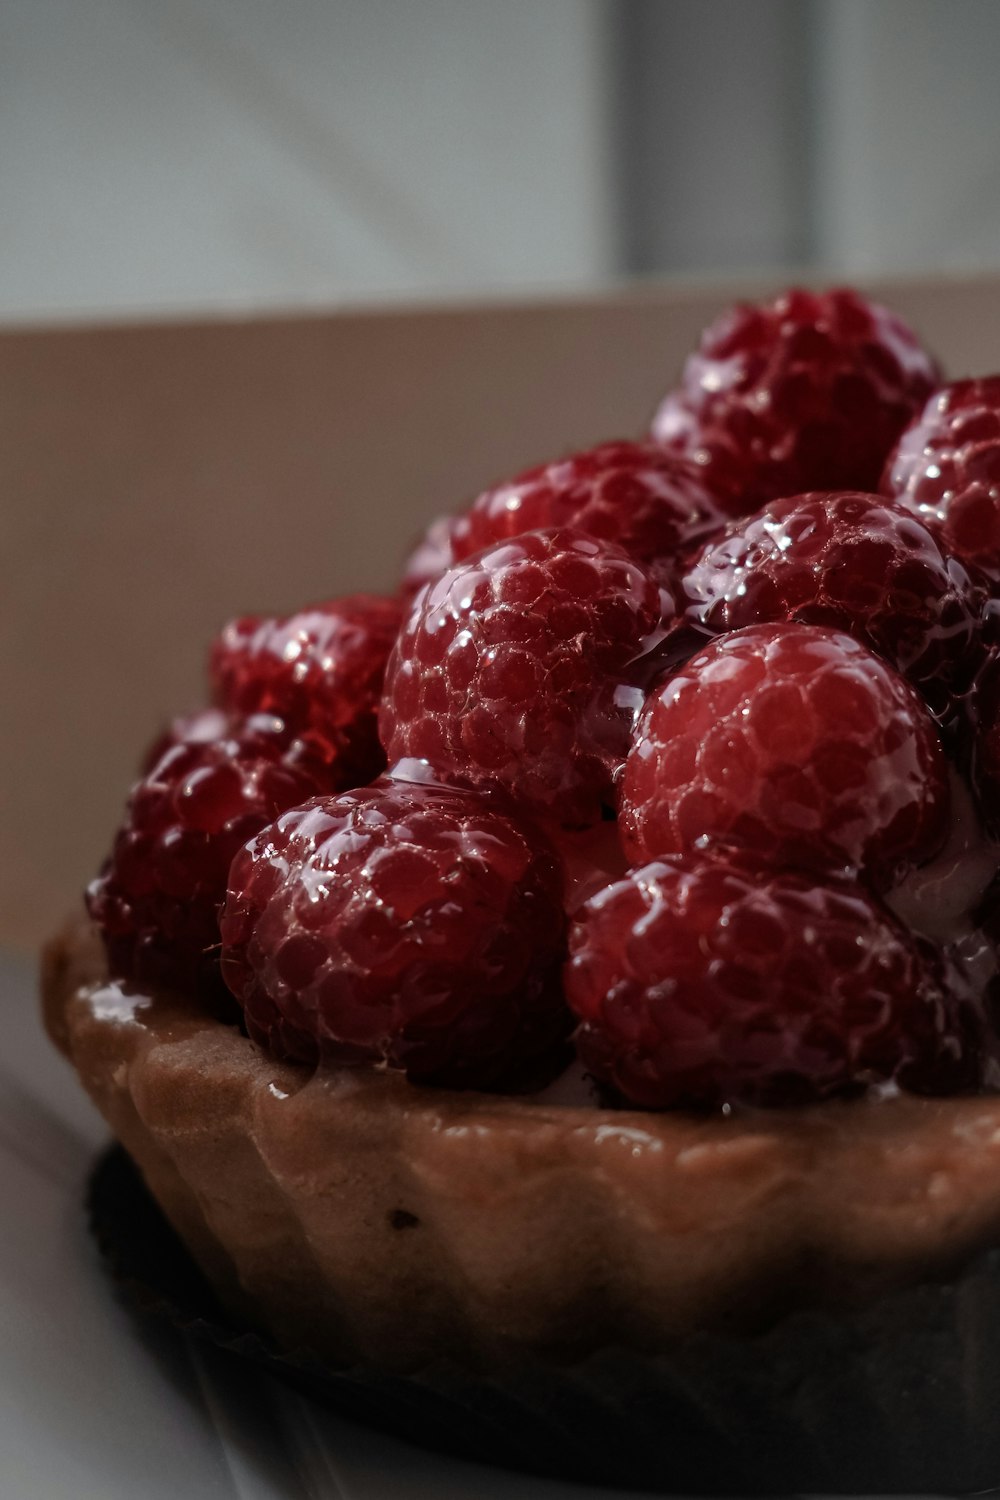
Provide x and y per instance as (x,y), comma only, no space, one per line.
(356,1216)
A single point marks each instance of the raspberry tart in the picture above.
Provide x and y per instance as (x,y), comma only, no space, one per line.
(557,1005)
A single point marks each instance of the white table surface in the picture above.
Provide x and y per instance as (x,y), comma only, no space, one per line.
(96,1406)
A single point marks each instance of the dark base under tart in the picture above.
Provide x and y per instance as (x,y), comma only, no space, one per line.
(900,1396)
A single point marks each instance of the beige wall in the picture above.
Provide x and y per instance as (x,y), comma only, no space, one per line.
(155,480)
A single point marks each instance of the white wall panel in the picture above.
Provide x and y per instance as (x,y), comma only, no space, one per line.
(182,153)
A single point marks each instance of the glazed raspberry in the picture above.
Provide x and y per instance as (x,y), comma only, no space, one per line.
(807,392)
(416,925)
(946,468)
(853,561)
(215,783)
(796,743)
(702,983)
(524,667)
(321,671)
(650,503)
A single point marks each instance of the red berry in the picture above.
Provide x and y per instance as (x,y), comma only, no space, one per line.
(320,670)
(946,468)
(649,502)
(853,561)
(216,782)
(524,667)
(702,983)
(796,743)
(416,925)
(807,392)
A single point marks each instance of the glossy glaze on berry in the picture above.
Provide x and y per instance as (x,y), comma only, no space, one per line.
(796,743)
(946,468)
(523,667)
(320,670)
(807,392)
(413,925)
(214,784)
(853,561)
(649,502)
(699,982)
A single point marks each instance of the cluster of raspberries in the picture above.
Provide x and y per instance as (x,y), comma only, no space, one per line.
(639,759)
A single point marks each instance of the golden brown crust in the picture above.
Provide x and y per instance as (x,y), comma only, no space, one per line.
(355,1215)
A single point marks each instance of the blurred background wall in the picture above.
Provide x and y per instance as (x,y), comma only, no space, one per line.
(179,155)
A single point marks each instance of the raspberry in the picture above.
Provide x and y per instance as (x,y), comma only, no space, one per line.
(321,671)
(796,743)
(946,468)
(524,667)
(650,503)
(702,983)
(415,925)
(214,784)
(856,562)
(807,392)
